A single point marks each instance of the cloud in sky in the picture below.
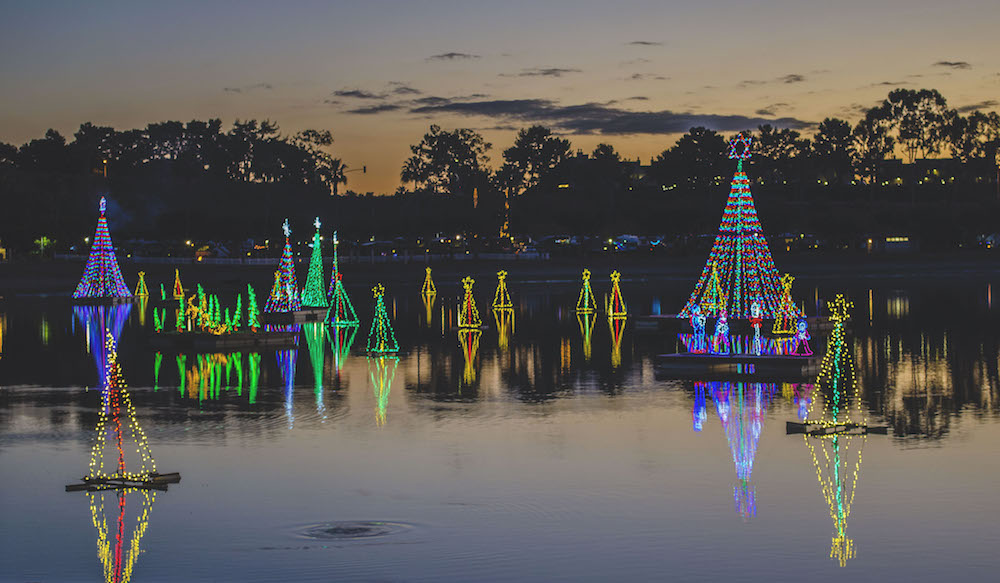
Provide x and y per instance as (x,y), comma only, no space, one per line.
(452,57)
(988,104)
(401,89)
(645,76)
(792,78)
(646,43)
(357,94)
(248,88)
(771,110)
(953,64)
(547,72)
(596,118)
(373,109)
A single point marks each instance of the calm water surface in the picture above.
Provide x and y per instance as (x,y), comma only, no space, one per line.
(542,457)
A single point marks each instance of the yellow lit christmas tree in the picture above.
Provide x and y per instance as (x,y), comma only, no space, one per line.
(428,288)
(468,313)
(140,288)
(615,305)
(501,299)
(787,316)
(714,299)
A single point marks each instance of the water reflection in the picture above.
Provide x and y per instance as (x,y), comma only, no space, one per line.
(382,371)
(586,321)
(286,365)
(316,346)
(99,322)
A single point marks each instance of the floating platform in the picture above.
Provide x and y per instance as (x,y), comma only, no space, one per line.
(817,428)
(685,365)
(675,323)
(155,481)
(104,301)
(206,342)
(302,316)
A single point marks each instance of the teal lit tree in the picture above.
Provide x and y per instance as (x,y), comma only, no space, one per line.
(742,260)
(285,293)
(381,339)
(102,277)
(341,312)
(313,296)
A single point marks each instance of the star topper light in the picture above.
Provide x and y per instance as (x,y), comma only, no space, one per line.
(734,147)
(286,228)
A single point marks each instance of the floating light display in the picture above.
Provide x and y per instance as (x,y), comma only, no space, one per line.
(428,288)
(586,321)
(746,271)
(178,288)
(586,304)
(341,312)
(698,344)
(468,339)
(381,338)
(615,305)
(468,314)
(836,451)
(802,337)
(382,371)
(285,294)
(314,296)
(617,326)
(140,287)
(102,277)
(784,320)
(501,298)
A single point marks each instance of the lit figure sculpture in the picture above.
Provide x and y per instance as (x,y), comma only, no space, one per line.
(745,268)
(285,294)
(615,306)
(341,311)
(698,322)
(720,341)
(802,337)
(756,320)
(314,296)
(468,313)
(381,338)
(102,277)
(501,298)
(586,304)
(836,450)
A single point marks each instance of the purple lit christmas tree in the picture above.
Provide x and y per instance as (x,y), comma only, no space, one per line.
(102,277)
(745,269)
(285,294)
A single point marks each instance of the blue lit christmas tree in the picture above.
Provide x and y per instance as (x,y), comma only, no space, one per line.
(740,256)
(102,278)
(285,294)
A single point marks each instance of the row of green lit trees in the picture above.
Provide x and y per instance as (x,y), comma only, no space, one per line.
(202,181)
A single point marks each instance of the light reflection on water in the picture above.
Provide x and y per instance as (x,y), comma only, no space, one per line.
(543,447)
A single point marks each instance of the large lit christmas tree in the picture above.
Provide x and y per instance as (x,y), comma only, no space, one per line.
(468,314)
(381,339)
(313,296)
(102,278)
(285,294)
(745,269)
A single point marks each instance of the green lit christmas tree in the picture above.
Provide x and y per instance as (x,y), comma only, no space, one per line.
(381,339)
(313,296)
(341,312)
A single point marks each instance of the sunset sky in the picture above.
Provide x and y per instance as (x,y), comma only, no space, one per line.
(633,73)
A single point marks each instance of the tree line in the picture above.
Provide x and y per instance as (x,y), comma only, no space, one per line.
(200,180)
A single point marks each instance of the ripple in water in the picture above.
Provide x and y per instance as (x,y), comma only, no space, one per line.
(351,530)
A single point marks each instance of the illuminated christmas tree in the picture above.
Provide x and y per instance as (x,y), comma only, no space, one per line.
(714,299)
(140,287)
(102,278)
(341,312)
(746,270)
(468,313)
(382,370)
(788,314)
(178,288)
(428,288)
(313,296)
(381,338)
(468,338)
(836,450)
(501,299)
(615,306)
(253,312)
(285,294)
(586,304)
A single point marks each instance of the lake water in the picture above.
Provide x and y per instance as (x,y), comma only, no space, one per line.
(542,458)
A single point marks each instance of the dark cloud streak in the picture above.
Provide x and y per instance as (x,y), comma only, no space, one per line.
(452,57)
